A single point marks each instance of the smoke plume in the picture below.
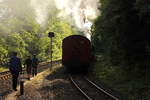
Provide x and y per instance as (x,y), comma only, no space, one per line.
(42,9)
(82,11)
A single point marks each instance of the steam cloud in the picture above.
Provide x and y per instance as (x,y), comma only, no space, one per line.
(25,11)
(42,9)
(81,10)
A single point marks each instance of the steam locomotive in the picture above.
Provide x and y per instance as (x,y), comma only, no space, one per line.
(76,53)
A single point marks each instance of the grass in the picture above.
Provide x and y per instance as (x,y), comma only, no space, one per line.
(130,84)
(2,69)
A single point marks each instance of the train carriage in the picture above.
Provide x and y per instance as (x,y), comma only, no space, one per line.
(76,53)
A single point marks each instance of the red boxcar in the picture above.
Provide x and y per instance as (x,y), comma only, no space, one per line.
(76,53)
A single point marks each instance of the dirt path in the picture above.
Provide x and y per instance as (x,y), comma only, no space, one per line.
(48,85)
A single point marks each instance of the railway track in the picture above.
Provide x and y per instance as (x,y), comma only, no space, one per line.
(89,89)
(5,78)
(6,75)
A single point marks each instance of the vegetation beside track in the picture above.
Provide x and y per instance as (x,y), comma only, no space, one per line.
(129,83)
(121,42)
(3,69)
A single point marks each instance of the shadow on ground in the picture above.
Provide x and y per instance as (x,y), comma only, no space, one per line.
(57,86)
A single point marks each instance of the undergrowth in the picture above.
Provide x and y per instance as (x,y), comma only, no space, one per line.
(130,83)
(2,69)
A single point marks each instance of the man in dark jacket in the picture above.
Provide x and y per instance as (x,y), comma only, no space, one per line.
(35,63)
(15,67)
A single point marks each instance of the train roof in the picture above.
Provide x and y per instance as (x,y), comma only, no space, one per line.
(76,36)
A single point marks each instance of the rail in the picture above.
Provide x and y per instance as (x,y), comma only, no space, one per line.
(5,75)
(93,84)
(89,98)
(110,95)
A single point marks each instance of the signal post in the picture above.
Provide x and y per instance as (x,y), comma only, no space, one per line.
(51,35)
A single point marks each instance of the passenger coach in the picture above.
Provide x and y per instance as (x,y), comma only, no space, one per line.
(76,53)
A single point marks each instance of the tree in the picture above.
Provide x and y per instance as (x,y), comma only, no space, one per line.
(62,29)
(15,42)
(3,52)
(118,31)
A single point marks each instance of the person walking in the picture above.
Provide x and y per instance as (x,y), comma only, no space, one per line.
(15,67)
(35,63)
(28,64)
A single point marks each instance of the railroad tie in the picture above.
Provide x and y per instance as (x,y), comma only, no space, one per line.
(4,77)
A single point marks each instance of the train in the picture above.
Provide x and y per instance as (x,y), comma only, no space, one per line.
(76,53)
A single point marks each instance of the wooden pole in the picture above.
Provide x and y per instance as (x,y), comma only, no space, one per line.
(51,35)
(21,87)
(51,53)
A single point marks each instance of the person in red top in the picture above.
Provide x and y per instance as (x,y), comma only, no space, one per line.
(28,64)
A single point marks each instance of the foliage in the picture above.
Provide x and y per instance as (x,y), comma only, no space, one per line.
(3,55)
(3,69)
(121,32)
(122,47)
(61,31)
(21,32)
(129,86)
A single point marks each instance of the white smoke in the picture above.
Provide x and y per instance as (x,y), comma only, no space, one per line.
(40,8)
(1,1)
(81,10)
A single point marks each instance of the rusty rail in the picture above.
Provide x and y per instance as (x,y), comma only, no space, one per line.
(93,84)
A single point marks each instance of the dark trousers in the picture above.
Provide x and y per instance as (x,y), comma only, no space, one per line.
(15,75)
(34,71)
